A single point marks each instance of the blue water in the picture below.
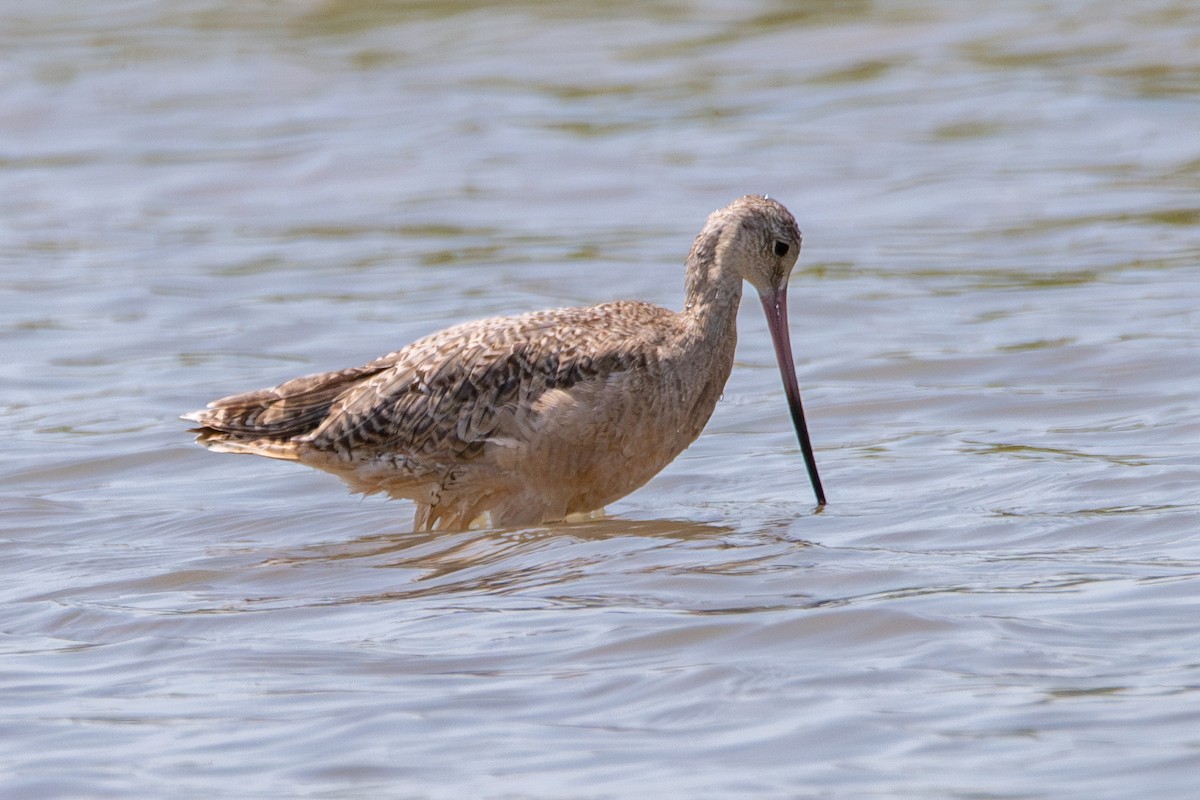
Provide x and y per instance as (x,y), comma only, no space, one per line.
(996,325)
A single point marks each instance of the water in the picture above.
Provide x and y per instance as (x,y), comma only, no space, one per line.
(996,323)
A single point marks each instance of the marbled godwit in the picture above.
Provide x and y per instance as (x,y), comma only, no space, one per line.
(534,417)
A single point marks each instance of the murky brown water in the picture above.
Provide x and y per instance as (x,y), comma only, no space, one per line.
(998,339)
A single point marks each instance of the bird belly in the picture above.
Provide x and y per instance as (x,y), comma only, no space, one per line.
(581,449)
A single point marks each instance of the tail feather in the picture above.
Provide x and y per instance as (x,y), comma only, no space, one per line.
(220,442)
(268,422)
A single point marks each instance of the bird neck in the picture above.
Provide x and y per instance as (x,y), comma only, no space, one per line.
(704,353)
(713,291)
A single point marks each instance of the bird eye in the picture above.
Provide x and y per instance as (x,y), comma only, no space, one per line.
(781,248)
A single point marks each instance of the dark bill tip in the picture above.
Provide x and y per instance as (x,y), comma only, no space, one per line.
(775,305)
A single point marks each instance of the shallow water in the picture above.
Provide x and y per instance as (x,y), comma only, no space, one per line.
(996,324)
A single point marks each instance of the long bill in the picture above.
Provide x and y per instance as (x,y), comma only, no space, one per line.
(774,303)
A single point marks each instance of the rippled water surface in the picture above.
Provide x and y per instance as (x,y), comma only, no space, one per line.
(997,334)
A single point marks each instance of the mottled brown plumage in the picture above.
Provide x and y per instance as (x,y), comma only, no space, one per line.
(533,417)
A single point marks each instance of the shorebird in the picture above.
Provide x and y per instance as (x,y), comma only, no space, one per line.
(531,418)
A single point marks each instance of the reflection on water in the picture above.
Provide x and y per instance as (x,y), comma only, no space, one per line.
(996,326)
(492,562)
